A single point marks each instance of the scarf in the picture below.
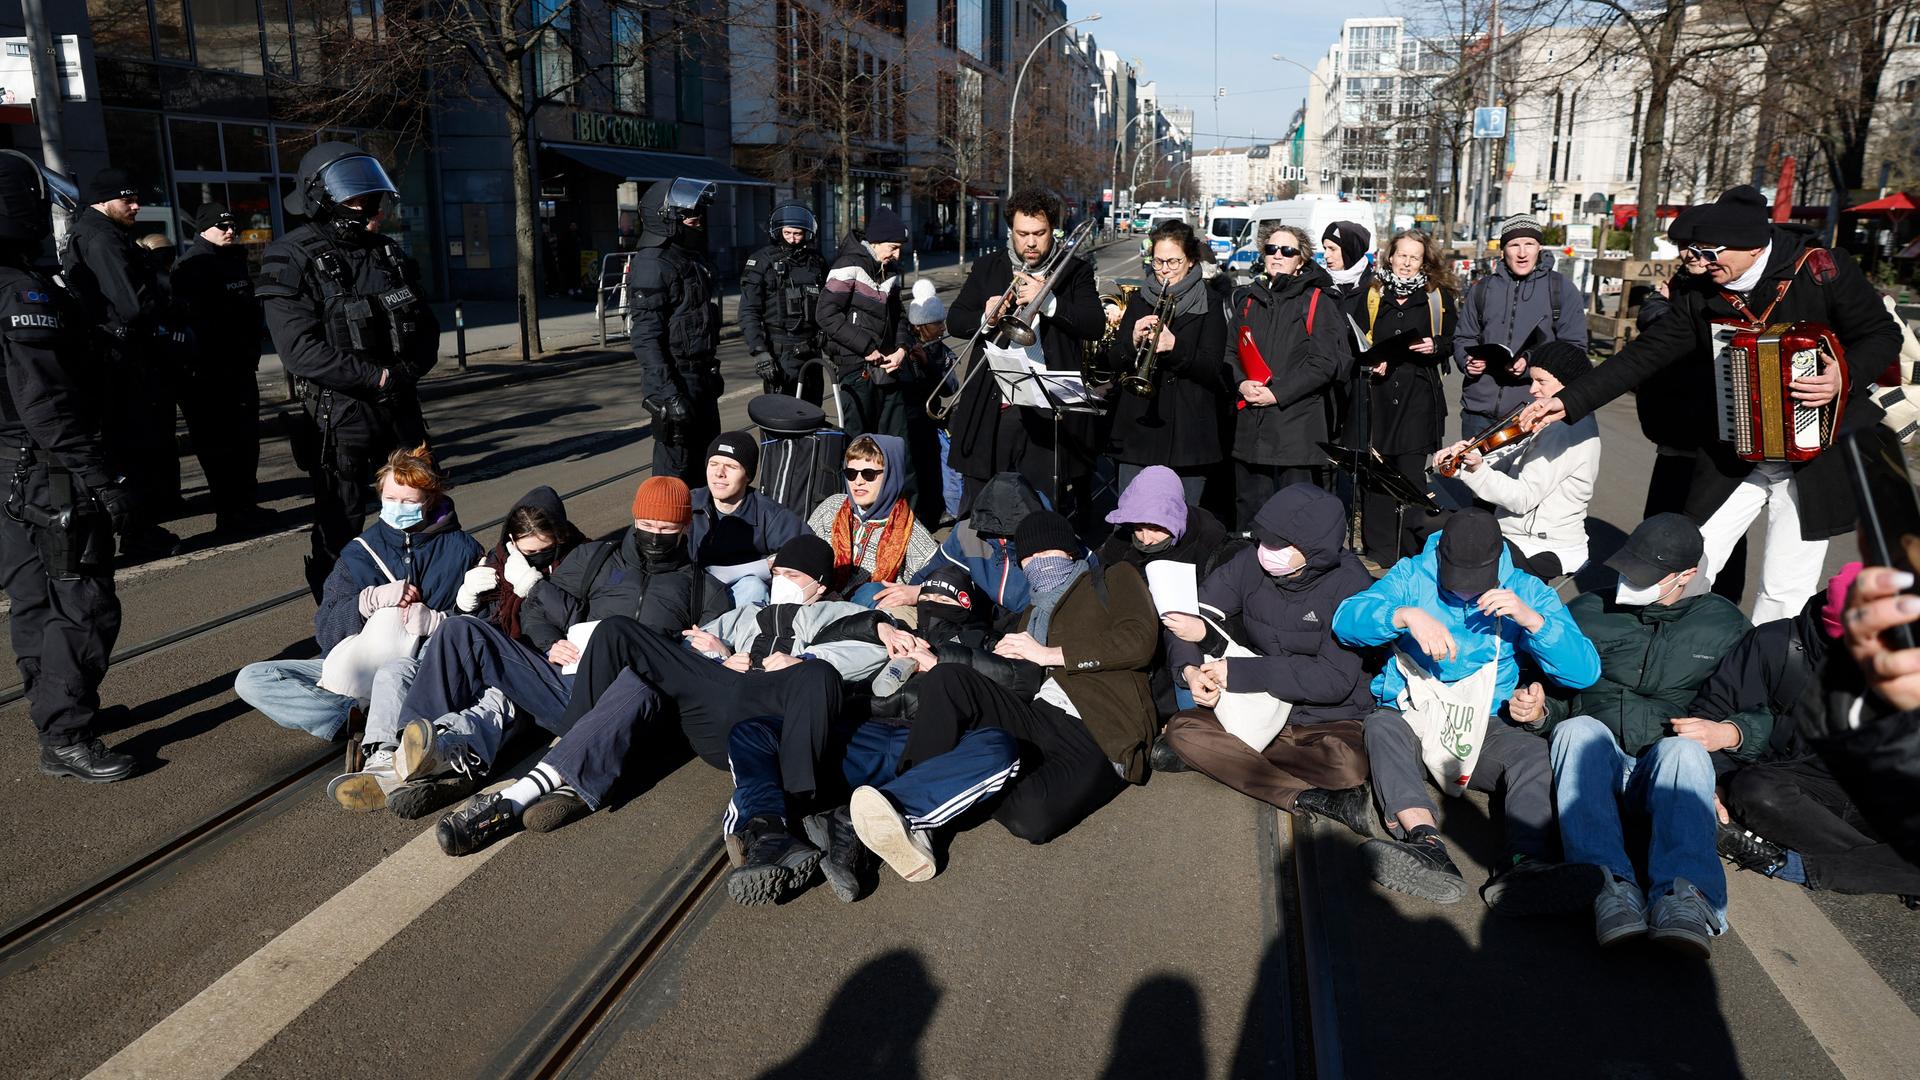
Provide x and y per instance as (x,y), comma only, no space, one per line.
(895,530)
(1349,277)
(1402,288)
(1190,295)
(1041,617)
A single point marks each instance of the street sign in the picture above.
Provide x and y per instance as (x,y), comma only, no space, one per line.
(1580,236)
(16,71)
(1490,123)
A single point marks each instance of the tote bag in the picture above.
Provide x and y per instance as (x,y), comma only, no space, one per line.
(1449,718)
(1253,718)
(349,666)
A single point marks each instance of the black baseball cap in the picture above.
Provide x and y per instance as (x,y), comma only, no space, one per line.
(1661,545)
(1470,552)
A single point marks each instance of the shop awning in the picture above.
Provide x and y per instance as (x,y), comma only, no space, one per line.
(648,165)
(1895,206)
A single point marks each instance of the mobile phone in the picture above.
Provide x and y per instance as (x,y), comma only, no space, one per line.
(1889,509)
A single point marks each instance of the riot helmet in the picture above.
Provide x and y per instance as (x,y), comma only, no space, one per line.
(332,173)
(667,204)
(792,215)
(26,214)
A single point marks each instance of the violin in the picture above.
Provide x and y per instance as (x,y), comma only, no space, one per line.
(1503,433)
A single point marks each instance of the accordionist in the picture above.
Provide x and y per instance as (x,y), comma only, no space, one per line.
(1762,275)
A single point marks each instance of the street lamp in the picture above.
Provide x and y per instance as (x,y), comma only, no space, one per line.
(1013,105)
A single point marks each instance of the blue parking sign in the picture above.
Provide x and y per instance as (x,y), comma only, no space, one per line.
(1490,123)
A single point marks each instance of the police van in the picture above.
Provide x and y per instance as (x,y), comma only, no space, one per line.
(1228,229)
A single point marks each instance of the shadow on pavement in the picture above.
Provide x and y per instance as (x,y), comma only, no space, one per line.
(1159,1032)
(873,1026)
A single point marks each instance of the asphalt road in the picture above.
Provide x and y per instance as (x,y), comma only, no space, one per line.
(1142,944)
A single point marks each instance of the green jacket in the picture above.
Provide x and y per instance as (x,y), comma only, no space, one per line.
(1652,661)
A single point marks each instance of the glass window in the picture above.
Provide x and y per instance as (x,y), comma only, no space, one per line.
(553,56)
(291,143)
(367,16)
(134,142)
(246,146)
(196,145)
(690,89)
(193,196)
(279,36)
(170,26)
(226,35)
(629,56)
(120,27)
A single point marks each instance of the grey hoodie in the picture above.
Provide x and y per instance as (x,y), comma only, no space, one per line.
(1504,309)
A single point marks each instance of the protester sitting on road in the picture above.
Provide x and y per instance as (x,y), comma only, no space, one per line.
(982,544)
(1871,741)
(1629,745)
(1785,814)
(1541,489)
(733,525)
(412,560)
(438,740)
(1458,616)
(876,541)
(1278,599)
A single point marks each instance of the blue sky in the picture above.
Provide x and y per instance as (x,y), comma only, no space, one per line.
(1173,41)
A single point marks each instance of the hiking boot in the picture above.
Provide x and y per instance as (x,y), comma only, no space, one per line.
(426,750)
(1538,887)
(1684,921)
(777,866)
(143,543)
(1352,807)
(1163,758)
(366,790)
(355,730)
(885,833)
(1418,867)
(479,823)
(89,760)
(843,857)
(417,798)
(1749,850)
(555,809)
(1619,911)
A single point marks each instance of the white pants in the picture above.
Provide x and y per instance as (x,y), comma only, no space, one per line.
(1790,570)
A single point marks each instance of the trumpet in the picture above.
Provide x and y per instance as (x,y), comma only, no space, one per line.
(1140,382)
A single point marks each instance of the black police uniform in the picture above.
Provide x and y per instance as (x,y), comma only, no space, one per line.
(676,334)
(778,292)
(213,289)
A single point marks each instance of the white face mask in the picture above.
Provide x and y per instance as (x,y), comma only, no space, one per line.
(1631,595)
(785,590)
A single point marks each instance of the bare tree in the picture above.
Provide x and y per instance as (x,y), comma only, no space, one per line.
(964,144)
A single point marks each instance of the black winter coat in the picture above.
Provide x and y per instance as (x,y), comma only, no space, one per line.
(1304,366)
(779,290)
(860,310)
(676,321)
(1180,424)
(1773,672)
(112,276)
(213,286)
(1670,403)
(667,597)
(1847,303)
(1408,408)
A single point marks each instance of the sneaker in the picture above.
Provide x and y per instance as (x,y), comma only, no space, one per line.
(1749,850)
(1163,759)
(881,828)
(778,865)
(1418,867)
(474,826)
(1619,911)
(426,750)
(366,790)
(736,844)
(416,799)
(1684,921)
(89,760)
(843,857)
(1539,887)
(1352,807)
(555,809)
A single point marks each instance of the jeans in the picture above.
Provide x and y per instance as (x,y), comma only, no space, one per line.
(951,483)
(467,657)
(288,693)
(1594,781)
(390,686)
(749,590)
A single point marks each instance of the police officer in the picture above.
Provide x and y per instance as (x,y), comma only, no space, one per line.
(213,291)
(676,326)
(63,502)
(119,290)
(344,309)
(778,291)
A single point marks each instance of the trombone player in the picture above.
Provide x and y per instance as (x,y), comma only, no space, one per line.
(987,436)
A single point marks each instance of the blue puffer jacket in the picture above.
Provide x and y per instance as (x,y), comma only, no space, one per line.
(1559,649)
(435,557)
(982,542)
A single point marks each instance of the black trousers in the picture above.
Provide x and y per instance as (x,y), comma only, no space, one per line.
(709,698)
(1799,804)
(686,456)
(1254,484)
(1387,531)
(1667,494)
(221,403)
(343,495)
(63,630)
(139,432)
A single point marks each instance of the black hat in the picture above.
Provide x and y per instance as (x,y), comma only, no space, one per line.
(1737,219)
(1661,545)
(1564,360)
(1680,229)
(885,227)
(1470,552)
(211,214)
(108,185)
(781,416)
(955,584)
(1352,238)
(1044,530)
(739,446)
(808,554)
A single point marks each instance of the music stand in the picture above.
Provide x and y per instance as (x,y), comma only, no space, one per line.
(1371,472)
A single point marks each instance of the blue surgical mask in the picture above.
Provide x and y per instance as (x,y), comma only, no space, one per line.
(402,515)
(1049,573)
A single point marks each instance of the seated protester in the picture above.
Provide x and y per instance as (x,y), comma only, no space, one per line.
(414,559)
(1077,701)
(733,524)
(470,673)
(1790,819)
(1627,744)
(982,544)
(1540,490)
(1871,740)
(876,541)
(1282,595)
(1458,616)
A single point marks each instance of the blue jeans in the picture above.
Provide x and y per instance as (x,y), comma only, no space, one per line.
(1594,782)
(749,590)
(864,595)
(288,693)
(951,484)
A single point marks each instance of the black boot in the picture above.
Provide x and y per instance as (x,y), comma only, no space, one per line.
(1538,887)
(1749,850)
(778,865)
(418,798)
(486,819)
(1418,866)
(90,761)
(843,858)
(1352,807)
(1163,759)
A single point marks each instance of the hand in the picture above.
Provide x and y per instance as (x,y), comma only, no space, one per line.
(1541,413)
(1518,367)
(1720,810)
(992,310)
(479,581)
(1022,646)
(1875,606)
(1025,290)
(1216,673)
(1143,328)
(564,652)
(1506,603)
(1434,639)
(875,356)
(421,619)
(897,595)
(1188,628)
(1475,366)
(1257,393)
(898,641)
(1379,369)
(739,661)
(1815,391)
(1472,461)
(118,503)
(1424,346)
(923,655)
(520,573)
(893,360)
(778,662)
(1712,734)
(375,597)
(704,642)
(1201,686)
(1528,705)
(767,368)
(1166,342)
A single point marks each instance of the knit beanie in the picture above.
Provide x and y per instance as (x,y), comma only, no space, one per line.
(926,305)
(1155,497)
(739,446)
(1521,227)
(1352,238)
(808,554)
(1044,530)
(1737,219)
(885,227)
(108,185)
(1562,359)
(663,498)
(1680,229)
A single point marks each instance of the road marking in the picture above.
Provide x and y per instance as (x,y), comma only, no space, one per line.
(1861,1023)
(228,1022)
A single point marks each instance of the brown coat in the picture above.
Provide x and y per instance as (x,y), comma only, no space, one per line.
(1107,650)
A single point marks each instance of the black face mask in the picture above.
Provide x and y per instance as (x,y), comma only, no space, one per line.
(540,560)
(940,618)
(658,547)
(1151,549)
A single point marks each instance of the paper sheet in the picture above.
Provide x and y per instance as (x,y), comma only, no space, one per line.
(1175,587)
(727,575)
(579,634)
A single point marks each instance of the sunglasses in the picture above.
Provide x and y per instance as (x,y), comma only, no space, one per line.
(223,226)
(1698,253)
(869,475)
(1281,250)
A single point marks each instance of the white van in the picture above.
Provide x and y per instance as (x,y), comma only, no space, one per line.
(1311,215)
(1228,228)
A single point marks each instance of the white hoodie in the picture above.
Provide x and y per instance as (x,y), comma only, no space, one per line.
(1541,490)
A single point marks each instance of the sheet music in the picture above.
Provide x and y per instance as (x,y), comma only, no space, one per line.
(1175,587)
(579,634)
(1013,371)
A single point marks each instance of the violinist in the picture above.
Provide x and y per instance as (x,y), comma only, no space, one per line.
(1539,485)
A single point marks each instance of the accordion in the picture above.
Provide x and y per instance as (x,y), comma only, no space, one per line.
(1753,373)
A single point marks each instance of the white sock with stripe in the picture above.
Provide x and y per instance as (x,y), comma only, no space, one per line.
(542,780)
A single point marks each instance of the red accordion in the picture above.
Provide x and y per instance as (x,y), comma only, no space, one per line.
(1753,373)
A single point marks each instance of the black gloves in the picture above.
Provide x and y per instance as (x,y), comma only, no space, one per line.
(118,502)
(765,366)
(670,413)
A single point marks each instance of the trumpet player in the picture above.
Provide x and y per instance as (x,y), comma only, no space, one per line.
(987,436)
(1173,383)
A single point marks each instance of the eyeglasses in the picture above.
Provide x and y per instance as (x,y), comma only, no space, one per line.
(1170,264)
(1699,253)
(1281,250)
(224,226)
(869,475)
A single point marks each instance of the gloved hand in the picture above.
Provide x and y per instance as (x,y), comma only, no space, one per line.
(676,409)
(765,366)
(422,620)
(119,504)
(670,412)
(520,574)
(479,581)
(375,597)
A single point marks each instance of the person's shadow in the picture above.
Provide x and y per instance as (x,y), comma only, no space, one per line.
(873,1026)
(1159,1032)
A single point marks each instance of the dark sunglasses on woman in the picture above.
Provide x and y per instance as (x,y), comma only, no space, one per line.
(1281,250)
(869,475)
